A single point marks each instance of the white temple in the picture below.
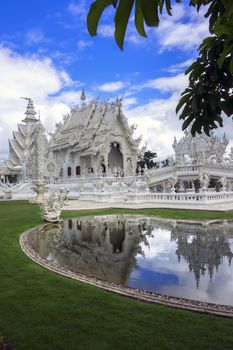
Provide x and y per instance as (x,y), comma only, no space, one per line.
(93,155)
(95,139)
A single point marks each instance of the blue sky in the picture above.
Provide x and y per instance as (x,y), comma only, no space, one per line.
(47,54)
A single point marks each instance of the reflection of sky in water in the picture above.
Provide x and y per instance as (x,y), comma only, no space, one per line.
(160,271)
(173,258)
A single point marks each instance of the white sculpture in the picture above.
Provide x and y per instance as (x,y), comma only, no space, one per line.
(223,182)
(52,206)
(204,180)
(172,181)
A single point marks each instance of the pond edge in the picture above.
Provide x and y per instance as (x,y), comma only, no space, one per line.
(138,294)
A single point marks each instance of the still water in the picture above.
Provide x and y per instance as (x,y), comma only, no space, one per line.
(190,260)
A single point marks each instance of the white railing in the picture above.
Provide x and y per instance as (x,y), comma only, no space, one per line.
(157,176)
(188,198)
(93,179)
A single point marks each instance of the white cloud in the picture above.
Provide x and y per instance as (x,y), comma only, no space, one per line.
(157,123)
(106,30)
(35,36)
(77,8)
(27,75)
(175,83)
(112,86)
(184,30)
(82,44)
(163,84)
(35,78)
(180,67)
(130,101)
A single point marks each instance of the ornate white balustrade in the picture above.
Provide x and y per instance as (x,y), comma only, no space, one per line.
(131,190)
(94,179)
(189,173)
(181,198)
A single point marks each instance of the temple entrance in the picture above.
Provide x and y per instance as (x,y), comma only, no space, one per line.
(115,159)
(103,168)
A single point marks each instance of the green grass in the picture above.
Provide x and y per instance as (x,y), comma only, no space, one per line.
(42,310)
(163,213)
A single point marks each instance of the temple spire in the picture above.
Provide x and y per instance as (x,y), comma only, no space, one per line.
(83,96)
(30,111)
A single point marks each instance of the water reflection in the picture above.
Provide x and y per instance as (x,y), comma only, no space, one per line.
(203,246)
(175,258)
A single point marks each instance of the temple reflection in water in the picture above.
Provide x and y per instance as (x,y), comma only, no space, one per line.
(103,247)
(113,247)
(203,246)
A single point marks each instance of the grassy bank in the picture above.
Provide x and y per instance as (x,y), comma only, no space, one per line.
(42,310)
(163,213)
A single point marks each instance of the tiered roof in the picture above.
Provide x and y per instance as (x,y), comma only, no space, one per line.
(21,143)
(86,129)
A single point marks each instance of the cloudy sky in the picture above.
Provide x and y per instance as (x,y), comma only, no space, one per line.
(47,54)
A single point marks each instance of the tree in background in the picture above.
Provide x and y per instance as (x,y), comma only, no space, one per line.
(148,160)
(210,90)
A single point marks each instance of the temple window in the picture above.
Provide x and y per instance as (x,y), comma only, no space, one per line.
(70,224)
(78,170)
(69,171)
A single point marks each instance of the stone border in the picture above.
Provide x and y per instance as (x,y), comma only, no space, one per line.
(138,294)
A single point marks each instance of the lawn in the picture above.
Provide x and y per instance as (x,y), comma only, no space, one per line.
(42,310)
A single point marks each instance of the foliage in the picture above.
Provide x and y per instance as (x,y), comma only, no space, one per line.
(211,81)
(210,90)
(165,163)
(148,159)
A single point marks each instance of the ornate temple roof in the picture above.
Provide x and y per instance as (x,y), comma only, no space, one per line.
(87,128)
(201,147)
(21,143)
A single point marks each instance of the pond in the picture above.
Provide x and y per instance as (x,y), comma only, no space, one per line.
(183,259)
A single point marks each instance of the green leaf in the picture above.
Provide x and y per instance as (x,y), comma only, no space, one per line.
(168,7)
(182,101)
(95,13)
(227,106)
(195,105)
(231,65)
(190,68)
(150,12)
(139,21)
(187,122)
(121,20)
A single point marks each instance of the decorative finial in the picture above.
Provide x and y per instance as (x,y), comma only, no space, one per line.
(30,111)
(26,98)
(83,95)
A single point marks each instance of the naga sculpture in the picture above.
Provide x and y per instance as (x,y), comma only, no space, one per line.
(52,206)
